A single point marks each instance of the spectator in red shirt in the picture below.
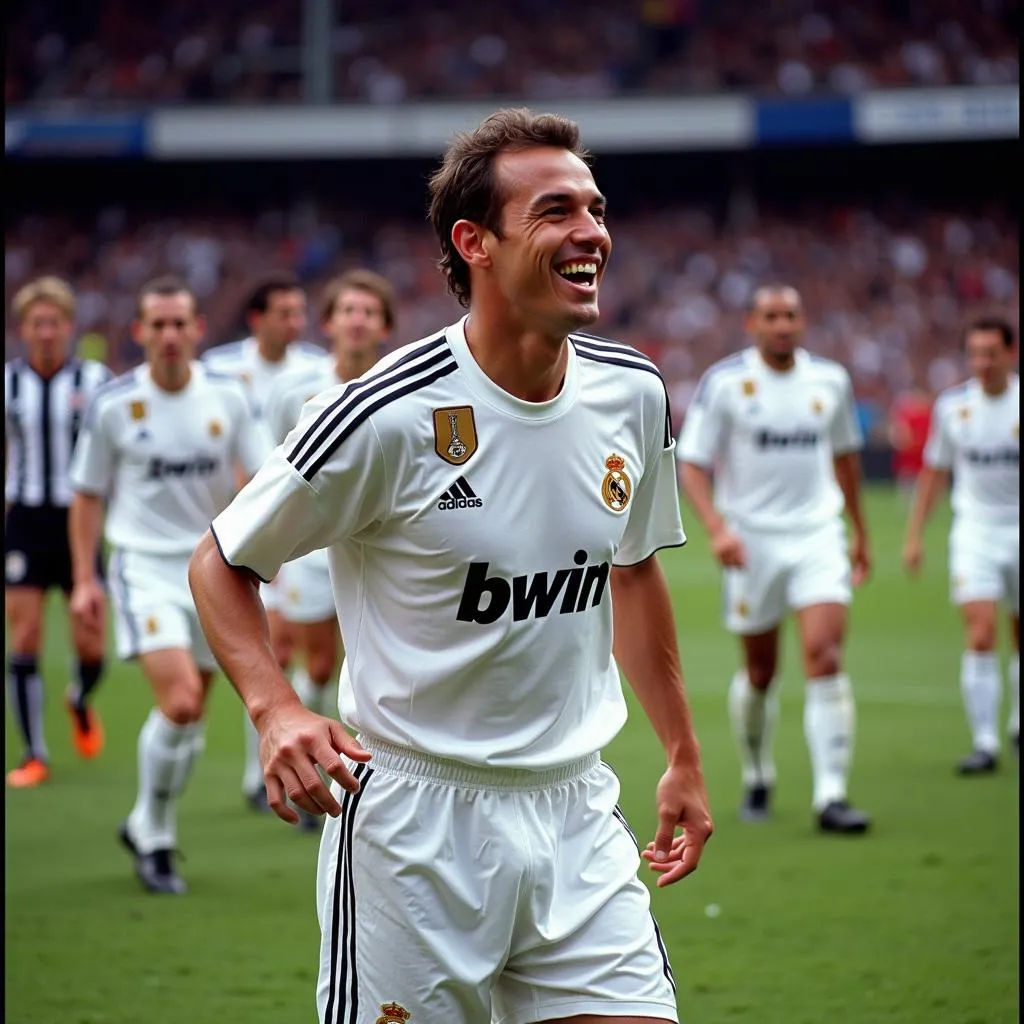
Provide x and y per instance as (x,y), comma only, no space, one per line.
(908,432)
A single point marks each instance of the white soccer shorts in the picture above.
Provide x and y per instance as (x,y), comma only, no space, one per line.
(470,895)
(306,594)
(786,571)
(153,607)
(984,563)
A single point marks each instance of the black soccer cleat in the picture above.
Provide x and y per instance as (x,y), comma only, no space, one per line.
(839,817)
(756,804)
(154,870)
(977,762)
(257,801)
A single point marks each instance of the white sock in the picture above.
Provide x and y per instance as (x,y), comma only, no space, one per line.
(252,775)
(979,685)
(1014,723)
(166,753)
(829,725)
(753,714)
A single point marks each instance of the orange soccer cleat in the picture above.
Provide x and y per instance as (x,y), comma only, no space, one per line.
(31,772)
(86,730)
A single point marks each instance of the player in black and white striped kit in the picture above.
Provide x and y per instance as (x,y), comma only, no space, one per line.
(45,396)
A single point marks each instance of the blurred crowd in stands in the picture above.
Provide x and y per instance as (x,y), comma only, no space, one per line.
(887,289)
(388,51)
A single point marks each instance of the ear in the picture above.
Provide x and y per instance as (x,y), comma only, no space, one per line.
(200,327)
(137,332)
(252,321)
(470,241)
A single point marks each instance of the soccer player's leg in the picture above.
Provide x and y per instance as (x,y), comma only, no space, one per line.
(977,585)
(819,591)
(754,600)
(23,605)
(1013,600)
(89,641)
(585,944)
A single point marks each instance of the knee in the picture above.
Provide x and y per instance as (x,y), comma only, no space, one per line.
(761,673)
(89,647)
(26,637)
(981,635)
(283,648)
(823,658)
(184,706)
(320,667)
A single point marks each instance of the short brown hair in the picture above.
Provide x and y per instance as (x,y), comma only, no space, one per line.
(165,285)
(259,297)
(45,289)
(363,281)
(464,186)
(991,322)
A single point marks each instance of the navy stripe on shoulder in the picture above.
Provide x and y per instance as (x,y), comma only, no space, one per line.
(107,390)
(420,366)
(606,344)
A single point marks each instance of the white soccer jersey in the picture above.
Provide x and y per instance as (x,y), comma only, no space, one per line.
(978,438)
(771,437)
(290,393)
(42,420)
(166,460)
(471,538)
(242,360)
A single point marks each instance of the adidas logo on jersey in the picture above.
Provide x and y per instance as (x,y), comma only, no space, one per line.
(486,598)
(459,495)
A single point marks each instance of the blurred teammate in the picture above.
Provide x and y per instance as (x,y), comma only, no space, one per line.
(358,315)
(276,315)
(45,396)
(160,446)
(485,493)
(975,434)
(908,432)
(778,428)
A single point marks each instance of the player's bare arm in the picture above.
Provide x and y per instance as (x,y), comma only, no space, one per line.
(85,525)
(293,740)
(931,485)
(725,545)
(848,475)
(646,651)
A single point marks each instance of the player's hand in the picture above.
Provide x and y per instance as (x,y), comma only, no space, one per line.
(682,801)
(860,560)
(728,549)
(293,741)
(913,556)
(87,603)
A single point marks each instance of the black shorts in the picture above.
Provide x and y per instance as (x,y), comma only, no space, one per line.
(36,549)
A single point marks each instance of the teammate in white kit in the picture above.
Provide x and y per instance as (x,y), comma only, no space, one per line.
(358,315)
(160,446)
(492,498)
(777,427)
(975,435)
(276,315)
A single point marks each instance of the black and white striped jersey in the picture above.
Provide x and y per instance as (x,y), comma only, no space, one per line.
(42,418)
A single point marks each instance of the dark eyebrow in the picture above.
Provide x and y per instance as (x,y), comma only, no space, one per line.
(564,197)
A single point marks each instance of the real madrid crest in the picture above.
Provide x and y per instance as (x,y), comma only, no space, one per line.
(616,487)
(455,434)
(215,428)
(816,406)
(749,388)
(138,410)
(393,1013)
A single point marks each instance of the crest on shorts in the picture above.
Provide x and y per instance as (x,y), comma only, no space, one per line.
(245,378)
(393,1013)
(152,626)
(965,413)
(817,407)
(455,434)
(15,566)
(616,487)
(215,428)
(749,388)
(138,410)
(742,609)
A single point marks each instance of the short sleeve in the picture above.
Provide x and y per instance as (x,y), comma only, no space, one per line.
(326,483)
(845,433)
(95,456)
(939,450)
(705,426)
(654,518)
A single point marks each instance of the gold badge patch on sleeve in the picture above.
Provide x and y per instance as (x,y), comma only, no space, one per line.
(138,410)
(616,487)
(455,437)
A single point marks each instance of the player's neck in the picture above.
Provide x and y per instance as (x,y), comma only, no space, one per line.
(44,365)
(526,364)
(777,364)
(270,353)
(997,388)
(170,379)
(349,366)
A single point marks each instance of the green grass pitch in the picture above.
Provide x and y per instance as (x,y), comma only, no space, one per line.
(915,924)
